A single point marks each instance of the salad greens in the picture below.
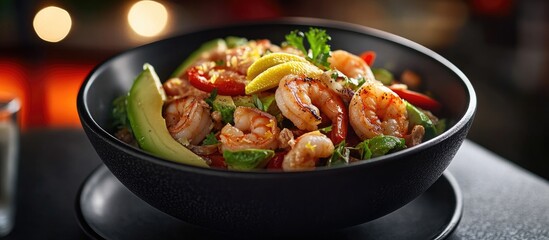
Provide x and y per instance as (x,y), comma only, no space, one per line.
(247,159)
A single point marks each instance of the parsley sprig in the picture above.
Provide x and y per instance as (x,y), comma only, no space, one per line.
(319,50)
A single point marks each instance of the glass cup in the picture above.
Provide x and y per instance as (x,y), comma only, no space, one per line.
(9,151)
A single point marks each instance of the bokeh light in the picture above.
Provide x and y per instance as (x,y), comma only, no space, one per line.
(148,18)
(52,24)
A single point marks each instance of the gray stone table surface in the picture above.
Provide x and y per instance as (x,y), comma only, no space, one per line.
(501,200)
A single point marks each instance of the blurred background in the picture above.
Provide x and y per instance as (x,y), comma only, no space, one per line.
(48,47)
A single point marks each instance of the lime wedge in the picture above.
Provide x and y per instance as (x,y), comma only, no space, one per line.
(271,77)
(271,60)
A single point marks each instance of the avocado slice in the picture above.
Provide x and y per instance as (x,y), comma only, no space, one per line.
(244,101)
(144,108)
(417,117)
(225,105)
(205,47)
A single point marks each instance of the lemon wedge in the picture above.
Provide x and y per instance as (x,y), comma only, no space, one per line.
(271,60)
(271,76)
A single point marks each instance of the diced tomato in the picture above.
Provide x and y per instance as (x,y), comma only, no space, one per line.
(418,99)
(225,85)
(369,57)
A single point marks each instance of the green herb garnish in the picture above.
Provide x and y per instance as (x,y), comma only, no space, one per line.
(258,103)
(340,156)
(211,98)
(379,145)
(319,50)
(119,115)
(210,139)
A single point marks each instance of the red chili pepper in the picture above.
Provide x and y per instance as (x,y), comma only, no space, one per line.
(224,84)
(418,99)
(369,57)
(276,161)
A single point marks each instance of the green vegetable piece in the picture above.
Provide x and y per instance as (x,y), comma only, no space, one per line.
(340,156)
(269,104)
(211,98)
(119,115)
(379,146)
(225,106)
(233,41)
(383,75)
(352,83)
(319,50)
(205,47)
(263,102)
(440,126)
(210,139)
(295,39)
(244,101)
(417,117)
(258,103)
(247,159)
(325,130)
(144,109)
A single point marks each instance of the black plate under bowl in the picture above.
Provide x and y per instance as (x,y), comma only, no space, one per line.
(108,210)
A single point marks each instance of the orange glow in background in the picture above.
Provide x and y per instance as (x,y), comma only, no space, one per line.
(61,85)
(47,93)
(13,83)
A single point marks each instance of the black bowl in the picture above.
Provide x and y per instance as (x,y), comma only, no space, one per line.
(263,202)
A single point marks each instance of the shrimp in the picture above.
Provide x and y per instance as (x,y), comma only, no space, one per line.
(306,151)
(375,110)
(298,97)
(334,80)
(349,64)
(188,119)
(177,88)
(252,129)
(239,58)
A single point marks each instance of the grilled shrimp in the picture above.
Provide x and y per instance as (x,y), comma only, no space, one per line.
(349,64)
(333,80)
(299,100)
(239,58)
(252,129)
(306,151)
(188,119)
(376,110)
(176,88)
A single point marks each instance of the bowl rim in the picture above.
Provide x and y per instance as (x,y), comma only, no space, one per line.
(86,119)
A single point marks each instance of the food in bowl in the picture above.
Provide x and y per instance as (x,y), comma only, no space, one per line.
(266,203)
(250,104)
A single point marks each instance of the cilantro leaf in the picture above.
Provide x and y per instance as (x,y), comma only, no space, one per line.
(340,156)
(210,139)
(211,98)
(295,39)
(319,50)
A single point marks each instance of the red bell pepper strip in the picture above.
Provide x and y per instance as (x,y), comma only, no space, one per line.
(417,99)
(276,161)
(224,84)
(217,160)
(369,57)
(339,128)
